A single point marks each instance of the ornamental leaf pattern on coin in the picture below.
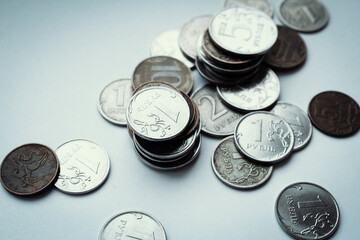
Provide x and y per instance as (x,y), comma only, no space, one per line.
(79,177)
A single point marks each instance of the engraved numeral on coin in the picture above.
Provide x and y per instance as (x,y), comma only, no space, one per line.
(170,72)
(90,163)
(141,236)
(294,122)
(120,92)
(168,112)
(259,133)
(308,13)
(312,204)
(246,31)
(214,115)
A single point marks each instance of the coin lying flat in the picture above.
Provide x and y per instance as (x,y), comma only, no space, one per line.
(234,169)
(334,113)
(262,5)
(29,169)
(307,211)
(132,225)
(84,166)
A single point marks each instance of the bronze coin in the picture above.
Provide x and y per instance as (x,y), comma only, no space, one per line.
(28,169)
(289,50)
(334,113)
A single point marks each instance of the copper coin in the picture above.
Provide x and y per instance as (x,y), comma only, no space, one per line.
(28,169)
(334,113)
(288,51)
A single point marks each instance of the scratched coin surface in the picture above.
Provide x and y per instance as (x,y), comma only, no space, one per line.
(303,15)
(29,169)
(243,30)
(335,113)
(262,5)
(132,225)
(84,166)
(264,137)
(234,169)
(158,113)
(307,211)
(298,120)
(113,100)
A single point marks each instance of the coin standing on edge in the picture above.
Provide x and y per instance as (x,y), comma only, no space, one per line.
(29,169)
(262,5)
(84,166)
(307,211)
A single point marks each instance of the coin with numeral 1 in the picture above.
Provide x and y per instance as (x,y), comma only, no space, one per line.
(307,211)
(264,137)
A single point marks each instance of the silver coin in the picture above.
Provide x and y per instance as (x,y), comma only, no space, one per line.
(190,32)
(216,118)
(298,120)
(264,137)
(303,15)
(234,169)
(262,5)
(258,93)
(167,44)
(307,211)
(113,100)
(244,30)
(158,113)
(84,166)
(132,225)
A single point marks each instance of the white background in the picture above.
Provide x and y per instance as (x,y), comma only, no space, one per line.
(56,57)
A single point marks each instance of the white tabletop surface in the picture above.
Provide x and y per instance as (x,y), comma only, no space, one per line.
(57,56)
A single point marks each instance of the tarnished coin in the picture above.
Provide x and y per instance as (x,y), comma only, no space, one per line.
(164,69)
(84,166)
(167,44)
(113,100)
(260,92)
(334,113)
(132,225)
(303,15)
(262,5)
(307,211)
(298,120)
(29,169)
(216,119)
(244,30)
(289,50)
(264,137)
(190,32)
(158,113)
(234,169)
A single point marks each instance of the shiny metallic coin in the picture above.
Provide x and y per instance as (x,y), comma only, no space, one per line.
(234,169)
(84,166)
(216,119)
(164,69)
(260,92)
(289,50)
(264,137)
(132,225)
(244,30)
(155,84)
(29,169)
(190,32)
(303,15)
(307,211)
(262,5)
(298,121)
(193,125)
(113,100)
(158,113)
(334,113)
(167,44)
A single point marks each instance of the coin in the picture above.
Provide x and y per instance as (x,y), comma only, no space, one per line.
(164,69)
(234,169)
(303,15)
(298,120)
(29,169)
(132,225)
(264,137)
(244,30)
(167,44)
(113,100)
(334,113)
(190,32)
(84,166)
(307,211)
(216,119)
(262,5)
(288,51)
(154,84)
